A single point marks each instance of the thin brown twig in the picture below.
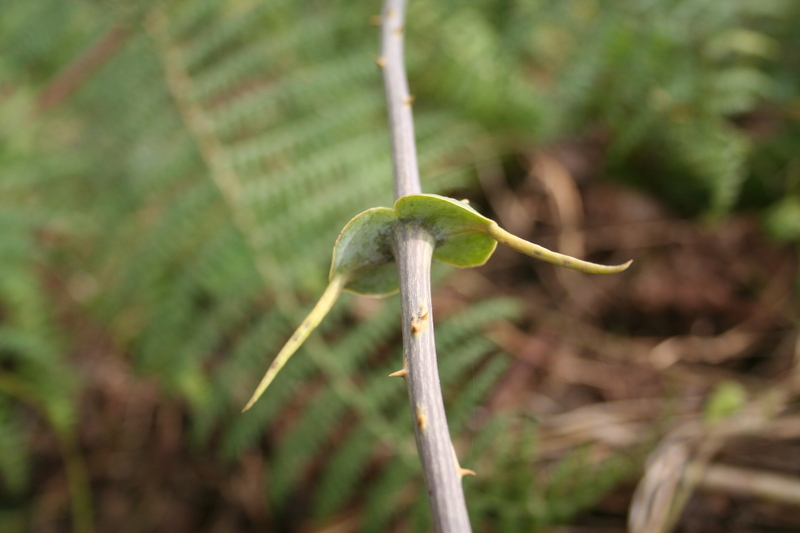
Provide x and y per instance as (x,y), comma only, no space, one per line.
(752,483)
(413,247)
(71,77)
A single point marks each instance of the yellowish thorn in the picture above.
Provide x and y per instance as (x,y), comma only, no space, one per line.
(408,100)
(465,472)
(399,374)
(461,471)
(380,61)
(465,201)
(419,322)
(422,418)
(398,31)
(390,13)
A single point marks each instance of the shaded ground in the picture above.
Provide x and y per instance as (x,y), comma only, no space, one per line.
(705,311)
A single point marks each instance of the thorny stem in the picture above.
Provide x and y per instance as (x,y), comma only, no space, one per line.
(399,100)
(413,248)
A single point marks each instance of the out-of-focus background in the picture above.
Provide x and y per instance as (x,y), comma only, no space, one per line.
(173,175)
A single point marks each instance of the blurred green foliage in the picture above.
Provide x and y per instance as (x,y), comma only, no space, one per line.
(726,400)
(191,185)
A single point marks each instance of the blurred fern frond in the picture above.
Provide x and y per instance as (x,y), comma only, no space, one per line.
(233,152)
(524,492)
(660,81)
(207,165)
(34,376)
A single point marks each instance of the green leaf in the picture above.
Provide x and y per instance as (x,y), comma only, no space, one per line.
(362,263)
(466,238)
(459,230)
(363,253)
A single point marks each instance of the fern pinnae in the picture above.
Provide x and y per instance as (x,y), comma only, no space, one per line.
(388,496)
(376,330)
(214,325)
(460,348)
(246,432)
(259,108)
(179,224)
(205,132)
(212,43)
(260,55)
(14,451)
(190,17)
(310,133)
(324,416)
(459,328)
(303,441)
(342,472)
(340,159)
(485,378)
(459,360)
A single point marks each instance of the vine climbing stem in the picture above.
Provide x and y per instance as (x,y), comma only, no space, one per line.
(413,250)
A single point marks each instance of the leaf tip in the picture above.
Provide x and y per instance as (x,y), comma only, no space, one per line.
(613,269)
(625,265)
(251,402)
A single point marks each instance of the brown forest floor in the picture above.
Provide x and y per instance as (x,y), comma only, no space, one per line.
(604,359)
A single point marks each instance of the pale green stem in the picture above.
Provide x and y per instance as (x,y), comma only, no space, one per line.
(555,258)
(323,307)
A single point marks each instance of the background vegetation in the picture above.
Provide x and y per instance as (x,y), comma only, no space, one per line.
(173,175)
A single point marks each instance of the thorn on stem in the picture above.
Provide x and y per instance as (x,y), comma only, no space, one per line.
(419,322)
(398,31)
(390,13)
(465,472)
(380,61)
(399,374)
(422,418)
(465,201)
(461,471)
(408,100)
